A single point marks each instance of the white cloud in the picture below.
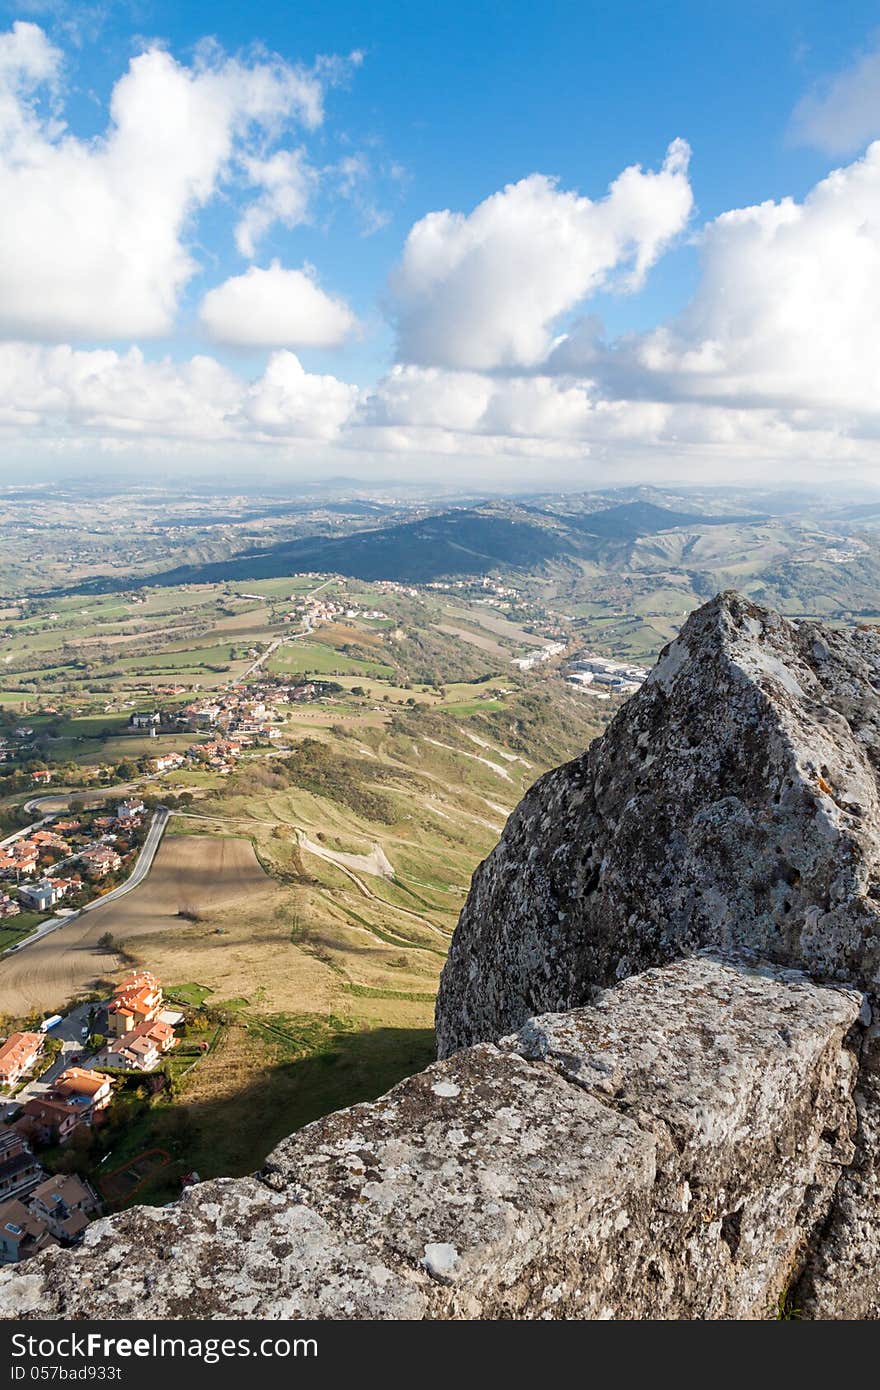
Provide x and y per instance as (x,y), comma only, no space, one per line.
(69,394)
(485,290)
(786,312)
(471,402)
(842,114)
(96,246)
(287,401)
(288,184)
(275,308)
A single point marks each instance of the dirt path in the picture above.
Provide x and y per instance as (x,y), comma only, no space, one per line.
(375,863)
(475,757)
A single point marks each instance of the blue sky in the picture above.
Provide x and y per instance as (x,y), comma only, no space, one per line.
(468,97)
(441,108)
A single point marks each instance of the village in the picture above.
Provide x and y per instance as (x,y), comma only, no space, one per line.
(59,1081)
(64,859)
(236,719)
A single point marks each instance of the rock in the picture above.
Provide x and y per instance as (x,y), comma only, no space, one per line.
(732,803)
(230,1248)
(668,1152)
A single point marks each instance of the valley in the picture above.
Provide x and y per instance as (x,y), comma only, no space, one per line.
(338,747)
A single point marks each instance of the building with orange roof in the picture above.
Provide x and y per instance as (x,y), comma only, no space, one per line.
(143,1048)
(90,1089)
(137,1000)
(18,1054)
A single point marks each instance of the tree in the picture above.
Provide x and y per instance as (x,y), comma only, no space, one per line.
(106,941)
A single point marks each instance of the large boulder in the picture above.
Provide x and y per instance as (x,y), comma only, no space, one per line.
(732,803)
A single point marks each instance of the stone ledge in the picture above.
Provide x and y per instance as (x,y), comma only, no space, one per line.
(630,1159)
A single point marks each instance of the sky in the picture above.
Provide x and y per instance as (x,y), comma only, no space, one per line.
(499,245)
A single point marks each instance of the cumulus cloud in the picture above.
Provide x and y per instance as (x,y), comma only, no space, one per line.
(275,308)
(518,407)
(842,114)
(290,401)
(102,392)
(484,290)
(96,246)
(785,313)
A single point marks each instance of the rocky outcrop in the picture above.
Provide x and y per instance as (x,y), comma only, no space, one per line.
(733,803)
(670,1151)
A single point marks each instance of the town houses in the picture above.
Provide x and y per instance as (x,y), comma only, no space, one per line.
(18,1055)
(56,1212)
(20,1171)
(48,864)
(137,1000)
(100,861)
(140,1026)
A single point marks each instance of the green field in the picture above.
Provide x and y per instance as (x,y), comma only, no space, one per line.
(318,658)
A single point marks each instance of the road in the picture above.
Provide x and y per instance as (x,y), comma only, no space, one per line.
(144,862)
(137,875)
(256,665)
(26,829)
(277,642)
(69,1034)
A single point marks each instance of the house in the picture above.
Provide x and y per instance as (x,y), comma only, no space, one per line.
(41,895)
(129,810)
(66,1204)
(18,1054)
(70,883)
(167,762)
(21,1233)
(48,1121)
(8,906)
(19,1170)
(47,839)
(143,1048)
(42,775)
(90,1090)
(100,861)
(145,721)
(19,858)
(137,1000)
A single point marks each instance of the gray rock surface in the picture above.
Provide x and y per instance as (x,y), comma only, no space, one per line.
(732,803)
(667,1152)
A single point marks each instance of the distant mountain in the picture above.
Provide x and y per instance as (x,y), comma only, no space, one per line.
(633,519)
(463,541)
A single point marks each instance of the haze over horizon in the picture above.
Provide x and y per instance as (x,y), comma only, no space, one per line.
(494,250)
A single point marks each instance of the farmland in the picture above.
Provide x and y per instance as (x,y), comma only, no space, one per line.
(215,876)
